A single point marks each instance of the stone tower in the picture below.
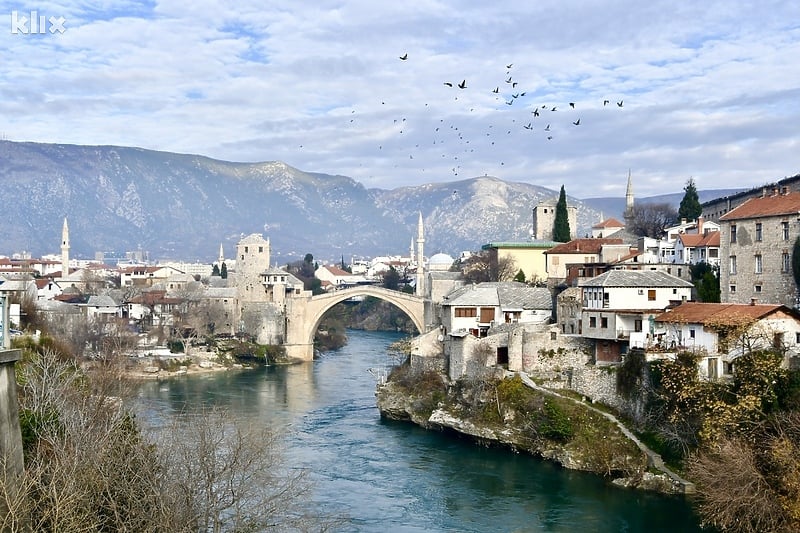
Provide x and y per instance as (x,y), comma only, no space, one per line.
(420,290)
(252,258)
(65,249)
(544,217)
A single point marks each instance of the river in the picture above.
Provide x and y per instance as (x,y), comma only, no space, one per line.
(391,476)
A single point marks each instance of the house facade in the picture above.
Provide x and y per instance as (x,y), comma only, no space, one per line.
(617,306)
(756,243)
(526,256)
(473,309)
(705,329)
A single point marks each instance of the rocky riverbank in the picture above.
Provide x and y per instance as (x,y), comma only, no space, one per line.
(506,412)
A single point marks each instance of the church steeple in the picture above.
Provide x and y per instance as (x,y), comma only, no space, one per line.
(65,249)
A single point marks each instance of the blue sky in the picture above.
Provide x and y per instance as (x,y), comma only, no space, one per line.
(709,90)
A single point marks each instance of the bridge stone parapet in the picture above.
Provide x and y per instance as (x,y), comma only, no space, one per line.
(304,314)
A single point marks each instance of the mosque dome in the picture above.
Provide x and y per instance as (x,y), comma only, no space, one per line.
(440,261)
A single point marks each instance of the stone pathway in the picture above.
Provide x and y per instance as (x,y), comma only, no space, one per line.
(653,459)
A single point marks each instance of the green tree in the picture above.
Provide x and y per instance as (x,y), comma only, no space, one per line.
(223,272)
(520,276)
(391,279)
(561,230)
(215,271)
(706,280)
(690,207)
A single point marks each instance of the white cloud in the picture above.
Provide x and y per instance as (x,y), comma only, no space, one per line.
(708,90)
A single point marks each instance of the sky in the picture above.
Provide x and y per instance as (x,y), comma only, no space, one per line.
(668,90)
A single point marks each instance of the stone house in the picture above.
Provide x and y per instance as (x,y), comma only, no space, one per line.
(756,241)
(473,309)
(701,328)
(153,308)
(617,306)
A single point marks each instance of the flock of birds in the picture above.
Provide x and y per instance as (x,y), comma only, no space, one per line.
(500,113)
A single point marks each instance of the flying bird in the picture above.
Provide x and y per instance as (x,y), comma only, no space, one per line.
(572,105)
(528,127)
(404,57)
(510,65)
(463,84)
(535,112)
(508,80)
(496,90)
(448,84)
(547,128)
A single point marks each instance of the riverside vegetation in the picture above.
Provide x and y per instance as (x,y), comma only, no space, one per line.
(91,466)
(737,440)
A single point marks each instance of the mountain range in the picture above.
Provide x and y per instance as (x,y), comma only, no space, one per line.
(182,206)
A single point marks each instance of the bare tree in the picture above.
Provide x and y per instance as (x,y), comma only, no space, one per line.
(89,467)
(650,220)
(488,266)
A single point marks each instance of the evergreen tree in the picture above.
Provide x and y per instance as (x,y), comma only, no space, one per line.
(215,270)
(561,230)
(690,207)
(223,272)
(520,276)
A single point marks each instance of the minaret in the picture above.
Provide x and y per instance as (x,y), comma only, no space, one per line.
(420,258)
(65,249)
(629,201)
(221,258)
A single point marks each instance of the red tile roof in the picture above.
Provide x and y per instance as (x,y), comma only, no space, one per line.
(715,313)
(609,223)
(767,206)
(582,246)
(692,239)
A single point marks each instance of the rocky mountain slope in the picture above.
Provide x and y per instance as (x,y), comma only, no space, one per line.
(183,206)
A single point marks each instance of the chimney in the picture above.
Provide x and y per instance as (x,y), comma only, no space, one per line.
(775,191)
(763,192)
(753,301)
(700,225)
(785,190)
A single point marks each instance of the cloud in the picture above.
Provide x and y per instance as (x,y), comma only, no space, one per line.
(708,91)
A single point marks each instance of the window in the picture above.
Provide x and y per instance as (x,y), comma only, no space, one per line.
(759,264)
(637,325)
(785,230)
(733,233)
(759,236)
(797,337)
(733,265)
(466,312)
(680,271)
(757,288)
(260,249)
(651,295)
(785,262)
(691,333)
(592,322)
(733,288)
(604,322)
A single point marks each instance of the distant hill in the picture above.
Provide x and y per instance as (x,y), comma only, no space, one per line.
(183,206)
(614,207)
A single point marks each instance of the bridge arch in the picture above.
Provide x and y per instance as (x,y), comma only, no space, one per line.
(301,329)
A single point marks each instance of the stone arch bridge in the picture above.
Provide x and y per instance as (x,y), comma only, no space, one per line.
(305,314)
